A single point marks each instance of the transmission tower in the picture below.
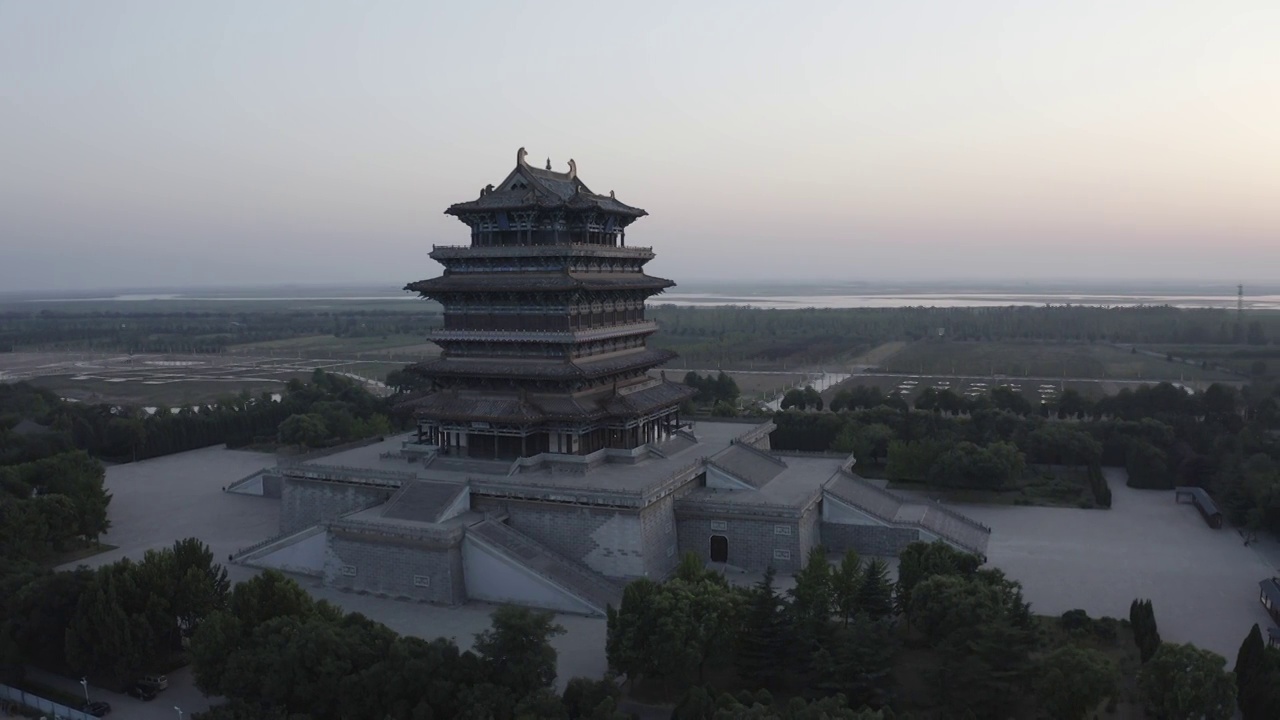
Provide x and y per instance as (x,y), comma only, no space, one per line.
(1239,313)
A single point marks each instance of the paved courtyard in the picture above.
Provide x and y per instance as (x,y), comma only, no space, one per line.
(1203,583)
(155,502)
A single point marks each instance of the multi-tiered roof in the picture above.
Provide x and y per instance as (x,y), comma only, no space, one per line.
(544,326)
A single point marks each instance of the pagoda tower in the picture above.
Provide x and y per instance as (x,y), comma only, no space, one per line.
(543,344)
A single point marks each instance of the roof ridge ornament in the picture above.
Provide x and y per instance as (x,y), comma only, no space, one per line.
(548,163)
(520,157)
(573,169)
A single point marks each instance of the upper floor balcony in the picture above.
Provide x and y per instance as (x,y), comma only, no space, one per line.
(444,252)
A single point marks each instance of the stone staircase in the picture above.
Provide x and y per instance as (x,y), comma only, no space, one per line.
(566,574)
(893,509)
(422,500)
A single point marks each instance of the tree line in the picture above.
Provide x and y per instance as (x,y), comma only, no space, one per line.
(273,652)
(194,332)
(1222,439)
(337,407)
(112,624)
(701,335)
(839,635)
(814,335)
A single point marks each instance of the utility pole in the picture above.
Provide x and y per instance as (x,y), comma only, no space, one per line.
(1239,313)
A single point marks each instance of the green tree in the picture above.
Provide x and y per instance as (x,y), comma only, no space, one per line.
(1142,618)
(1070,682)
(201,585)
(304,429)
(920,561)
(846,584)
(592,699)
(856,660)
(875,592)
(1183,682)
(726,389)
(516,651)
(765,639)
(1257,674)
(813,598)
(1147,466)
(101,639)
(671,631)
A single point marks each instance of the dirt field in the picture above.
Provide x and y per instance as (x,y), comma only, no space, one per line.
(1031,360)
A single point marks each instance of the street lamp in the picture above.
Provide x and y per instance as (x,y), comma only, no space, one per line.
(84,682)
(175,707)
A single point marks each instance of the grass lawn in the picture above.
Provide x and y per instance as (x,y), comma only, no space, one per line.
(1041,486)
(1040,360)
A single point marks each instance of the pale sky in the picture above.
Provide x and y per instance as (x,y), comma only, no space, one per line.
(176,143)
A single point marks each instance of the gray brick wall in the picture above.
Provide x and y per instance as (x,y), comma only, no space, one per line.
(365,564)
(876,540)
(306,502)
(754,544)
(810,529)
(271,484)
(605,540)
(658,532)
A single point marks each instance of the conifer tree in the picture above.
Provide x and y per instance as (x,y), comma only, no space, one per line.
(847,586)
(1256,678)
(765,638)
(875,592)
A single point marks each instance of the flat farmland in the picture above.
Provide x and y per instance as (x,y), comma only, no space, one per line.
(172,380)
(411,347)
(1035,360)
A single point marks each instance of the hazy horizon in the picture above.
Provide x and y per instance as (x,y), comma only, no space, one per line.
(163,145)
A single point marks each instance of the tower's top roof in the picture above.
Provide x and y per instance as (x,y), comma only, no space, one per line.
(528,187)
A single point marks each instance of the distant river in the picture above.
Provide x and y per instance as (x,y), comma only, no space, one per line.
(958,300)
(780,300)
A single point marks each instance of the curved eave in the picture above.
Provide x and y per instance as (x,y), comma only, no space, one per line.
(578,203)
(435,287)
(472,368)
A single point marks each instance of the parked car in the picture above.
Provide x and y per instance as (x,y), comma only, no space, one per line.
(159,681)
(97,708)
(143,691)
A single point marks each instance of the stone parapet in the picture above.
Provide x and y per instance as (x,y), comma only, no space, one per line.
(427,535)
(349,475)
(445,252)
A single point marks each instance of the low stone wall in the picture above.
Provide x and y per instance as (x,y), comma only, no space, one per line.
(874,540)
(272,484)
